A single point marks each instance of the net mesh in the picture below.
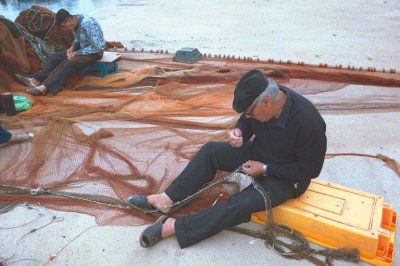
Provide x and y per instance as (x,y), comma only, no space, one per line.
(133,132)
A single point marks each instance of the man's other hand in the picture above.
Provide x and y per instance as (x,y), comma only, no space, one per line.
(253,168)
(71,55)
(70,50)
(235,138)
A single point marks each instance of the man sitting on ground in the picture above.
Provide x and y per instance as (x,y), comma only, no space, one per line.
(279,140)
(86,49)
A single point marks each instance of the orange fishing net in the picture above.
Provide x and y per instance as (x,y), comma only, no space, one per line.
(134,131)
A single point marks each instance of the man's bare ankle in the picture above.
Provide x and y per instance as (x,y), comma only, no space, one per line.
(166,198)
(168,228)
(35,82)
(161,202)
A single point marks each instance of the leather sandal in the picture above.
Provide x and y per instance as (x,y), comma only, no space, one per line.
(152,234)
(26,80)
(35,92)
(141,202)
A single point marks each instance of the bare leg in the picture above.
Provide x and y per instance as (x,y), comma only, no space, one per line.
(168,228)
(34,82)
(161,202)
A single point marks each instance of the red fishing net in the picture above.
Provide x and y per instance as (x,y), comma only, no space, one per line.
(103,139)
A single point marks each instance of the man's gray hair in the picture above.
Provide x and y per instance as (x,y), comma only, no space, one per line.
(272,91)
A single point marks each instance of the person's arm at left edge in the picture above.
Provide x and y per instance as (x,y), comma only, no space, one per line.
(94,34)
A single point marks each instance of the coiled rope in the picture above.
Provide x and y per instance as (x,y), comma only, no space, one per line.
(299,248)
(36,23)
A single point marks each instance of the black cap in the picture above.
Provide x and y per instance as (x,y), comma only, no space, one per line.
(249,87)
(61,15)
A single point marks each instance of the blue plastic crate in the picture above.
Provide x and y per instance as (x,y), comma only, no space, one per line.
(100,69)
(105,66)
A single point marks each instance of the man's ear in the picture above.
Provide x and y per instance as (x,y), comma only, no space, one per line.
(266,100)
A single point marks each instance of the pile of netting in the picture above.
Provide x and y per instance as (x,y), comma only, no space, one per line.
(103,139)
(133,133)
(28,42)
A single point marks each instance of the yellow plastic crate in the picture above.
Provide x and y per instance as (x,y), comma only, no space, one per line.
(334,216)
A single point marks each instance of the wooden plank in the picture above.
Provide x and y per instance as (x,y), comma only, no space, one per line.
(109,57)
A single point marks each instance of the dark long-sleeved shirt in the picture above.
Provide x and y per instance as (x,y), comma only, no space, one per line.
(294,145)
(88,36)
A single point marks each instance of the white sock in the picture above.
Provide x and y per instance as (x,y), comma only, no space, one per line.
(42,88)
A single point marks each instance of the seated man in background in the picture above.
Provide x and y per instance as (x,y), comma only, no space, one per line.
(86,49)
(279,140)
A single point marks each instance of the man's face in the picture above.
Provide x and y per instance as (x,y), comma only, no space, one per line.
(262,111)
(67,25)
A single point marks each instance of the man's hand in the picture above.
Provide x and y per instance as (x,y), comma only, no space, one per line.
(70,50)
(235,138)
(253,168)
(71,55)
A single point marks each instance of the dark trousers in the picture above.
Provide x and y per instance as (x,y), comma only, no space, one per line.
(221,156)
(64,72)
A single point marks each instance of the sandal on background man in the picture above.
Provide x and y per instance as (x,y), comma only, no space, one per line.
(35,88)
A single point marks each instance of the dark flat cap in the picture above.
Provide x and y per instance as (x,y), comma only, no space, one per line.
(249,87)
(61,15)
